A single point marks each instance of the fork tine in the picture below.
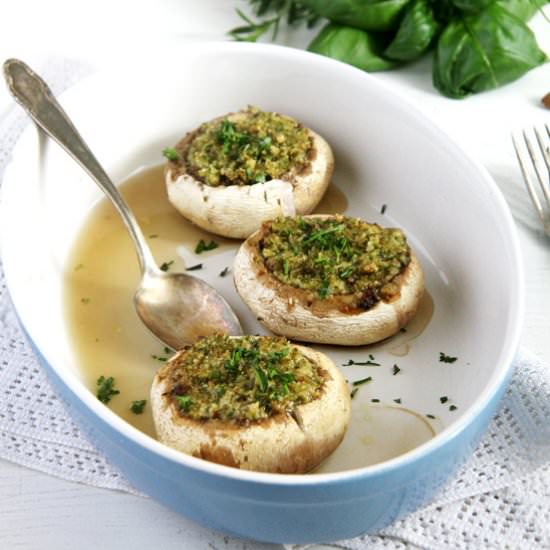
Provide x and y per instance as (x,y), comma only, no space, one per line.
(527,179)
(543,181)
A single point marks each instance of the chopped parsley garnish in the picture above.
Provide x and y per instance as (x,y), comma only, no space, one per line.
(171,154)
(398,400)
(362,381)
(106,389)
(261,378)
(431,416)
(286,267)
(443,399)
(202,246)
(368,363)
(165,266)
(402,329)
(383,209)
(194,267)
(395,369)
(78,267)
(137,406)
(374,400)
(443,358)
(85,300)
(168,350)
(159,358)
(453,408)
(229,137)
(353,392)
(224,272)
(153,236)
(324,289)
(184,402)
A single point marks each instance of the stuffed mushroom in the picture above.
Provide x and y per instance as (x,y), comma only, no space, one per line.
(237,171)
(254,402)
(329,279)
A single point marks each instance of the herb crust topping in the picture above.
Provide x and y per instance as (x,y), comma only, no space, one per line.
(241,380)
(249,147)
(336,256)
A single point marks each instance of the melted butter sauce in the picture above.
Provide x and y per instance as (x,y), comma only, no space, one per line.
(102,275)
(333,201)
(377,433)
(400,344)
(110,340)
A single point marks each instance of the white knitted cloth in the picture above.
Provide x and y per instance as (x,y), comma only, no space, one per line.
(500,499)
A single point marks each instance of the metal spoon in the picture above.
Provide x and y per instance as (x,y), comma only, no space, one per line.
(176,307)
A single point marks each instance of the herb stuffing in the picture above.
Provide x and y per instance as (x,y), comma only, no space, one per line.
(106,389)
(336,256)
(246,148)
(241,380)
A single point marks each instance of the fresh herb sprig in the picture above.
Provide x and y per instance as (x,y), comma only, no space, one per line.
(271,14)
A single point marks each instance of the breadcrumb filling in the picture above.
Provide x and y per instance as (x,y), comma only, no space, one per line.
(246,148)
(241,379)
(336,256)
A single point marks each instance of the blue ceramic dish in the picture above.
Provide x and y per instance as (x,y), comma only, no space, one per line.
(386,153)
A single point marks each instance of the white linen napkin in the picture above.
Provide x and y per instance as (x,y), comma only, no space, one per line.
(499,500)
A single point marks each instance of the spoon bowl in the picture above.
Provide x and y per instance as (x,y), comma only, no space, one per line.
(182,308)
(177,308)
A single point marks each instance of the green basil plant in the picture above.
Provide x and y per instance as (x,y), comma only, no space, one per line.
(477,45)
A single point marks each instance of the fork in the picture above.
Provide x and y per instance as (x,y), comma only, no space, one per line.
(540,199)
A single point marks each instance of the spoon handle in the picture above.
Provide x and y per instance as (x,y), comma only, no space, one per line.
(34,95)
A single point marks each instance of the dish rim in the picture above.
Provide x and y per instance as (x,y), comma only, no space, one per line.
(500,371)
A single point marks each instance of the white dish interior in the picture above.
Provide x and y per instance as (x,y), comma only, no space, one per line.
(385,153)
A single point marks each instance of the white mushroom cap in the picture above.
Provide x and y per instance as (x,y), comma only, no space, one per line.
(294,443)
(237,211)
(289,311)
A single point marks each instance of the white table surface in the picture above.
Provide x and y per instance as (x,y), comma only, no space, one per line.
(40,511)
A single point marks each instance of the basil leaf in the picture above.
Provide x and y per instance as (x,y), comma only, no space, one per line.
(471,6)
(369,15)
(524,9)
(415,33)
(483,51)
(353,46)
